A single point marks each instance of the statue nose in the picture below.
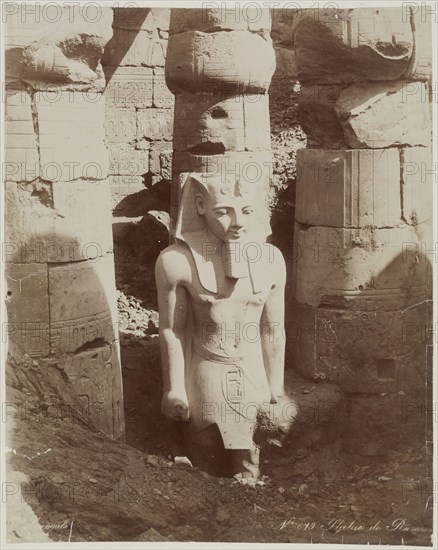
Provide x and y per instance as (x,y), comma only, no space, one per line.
(238,220)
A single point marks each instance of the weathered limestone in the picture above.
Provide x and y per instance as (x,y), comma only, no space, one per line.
(219,69)
(58,246)
(210,19)
(348,188)
(129,86)
(62,48)
(361,276)
(139,114)
(226,62)
(355,45)
(371,115)
(236,123)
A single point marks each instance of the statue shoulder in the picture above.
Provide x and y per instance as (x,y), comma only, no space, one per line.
(173,264)
(275,263)
(273,255)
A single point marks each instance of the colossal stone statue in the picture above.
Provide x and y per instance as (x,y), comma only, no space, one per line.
(221,302)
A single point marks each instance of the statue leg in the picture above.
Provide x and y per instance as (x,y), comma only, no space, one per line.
(205,449)
(246,462)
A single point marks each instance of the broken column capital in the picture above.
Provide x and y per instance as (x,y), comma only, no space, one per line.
(364,44)
(61,48)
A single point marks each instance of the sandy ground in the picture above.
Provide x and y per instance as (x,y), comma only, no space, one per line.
(82,486)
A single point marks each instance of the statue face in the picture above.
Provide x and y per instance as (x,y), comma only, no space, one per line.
(229,217)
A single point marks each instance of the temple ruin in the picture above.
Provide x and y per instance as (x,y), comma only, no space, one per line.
(107,111)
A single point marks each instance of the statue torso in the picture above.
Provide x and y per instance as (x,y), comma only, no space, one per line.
(226,323)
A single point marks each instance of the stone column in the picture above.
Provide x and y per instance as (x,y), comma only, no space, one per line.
(363,216)
(58,250)
(219,66)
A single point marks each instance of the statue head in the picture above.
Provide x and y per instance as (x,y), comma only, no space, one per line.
(229,208)
(222,215)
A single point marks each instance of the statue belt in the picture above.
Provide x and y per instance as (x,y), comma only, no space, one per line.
(209,355)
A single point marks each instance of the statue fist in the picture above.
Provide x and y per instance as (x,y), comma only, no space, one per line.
(276,418)
(175,406)
(283,412)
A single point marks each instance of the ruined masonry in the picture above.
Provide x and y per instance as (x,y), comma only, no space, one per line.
(139,114)
(60,267)
(100,113)
(361,273)
(219,66)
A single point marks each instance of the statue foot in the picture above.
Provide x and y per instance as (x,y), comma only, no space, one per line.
(245,463)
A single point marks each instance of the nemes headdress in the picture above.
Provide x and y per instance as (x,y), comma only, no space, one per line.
(191,228)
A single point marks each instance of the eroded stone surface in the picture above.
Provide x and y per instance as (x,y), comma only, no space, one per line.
(385,115)
(28,325)
(378,348)
(372,115)
(213,19)
(22,162)
(228,62)
(353,45)
(48,46)
(418,178)
(71,135)
(128,86)
(57,223)
(350,188)
(336,265)
(208,121)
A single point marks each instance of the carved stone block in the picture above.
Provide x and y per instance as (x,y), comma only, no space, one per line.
(21,153)
(154,124)
(128,86)
(121,125)
(334,267)
(348,188)
(224,62)
(337,45)
(28,308)
(210,19)
(367,351)
(71,136)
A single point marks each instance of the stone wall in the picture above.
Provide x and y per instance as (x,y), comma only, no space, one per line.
(139,113)
(139,128)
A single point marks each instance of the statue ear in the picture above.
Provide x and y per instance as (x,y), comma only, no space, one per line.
(200,204)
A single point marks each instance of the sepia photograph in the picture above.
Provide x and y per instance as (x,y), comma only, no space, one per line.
(219,251)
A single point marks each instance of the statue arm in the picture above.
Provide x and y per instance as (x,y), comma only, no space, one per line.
(172,304)
(272,330)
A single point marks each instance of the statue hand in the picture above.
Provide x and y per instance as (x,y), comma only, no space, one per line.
(284,411)
(175,405)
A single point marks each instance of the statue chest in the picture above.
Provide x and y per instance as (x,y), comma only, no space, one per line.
(236,303)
